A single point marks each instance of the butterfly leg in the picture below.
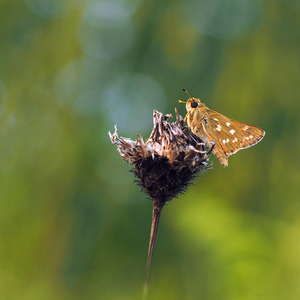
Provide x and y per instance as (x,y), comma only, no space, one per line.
(213,144)
(185,118)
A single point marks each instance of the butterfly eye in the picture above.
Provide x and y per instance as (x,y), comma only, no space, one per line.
(194,104)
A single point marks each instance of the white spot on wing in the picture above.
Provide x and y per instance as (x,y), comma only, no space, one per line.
(250,136)
(235,140)
(232,131)
(218,128)
(216,119)
(246,127)
(227,141)
(228,124)
(224,142)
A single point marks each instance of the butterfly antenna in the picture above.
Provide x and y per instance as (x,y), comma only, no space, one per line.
(187,92)
(180,101)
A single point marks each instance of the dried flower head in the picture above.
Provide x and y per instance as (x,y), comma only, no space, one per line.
(169,160)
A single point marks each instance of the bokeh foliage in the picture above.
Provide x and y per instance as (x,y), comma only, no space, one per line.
(73,225)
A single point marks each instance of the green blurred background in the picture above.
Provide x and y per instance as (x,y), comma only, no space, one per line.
(73,223)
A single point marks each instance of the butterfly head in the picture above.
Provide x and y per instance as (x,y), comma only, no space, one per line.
(192,103)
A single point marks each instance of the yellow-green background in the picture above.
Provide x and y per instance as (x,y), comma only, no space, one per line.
(73,225)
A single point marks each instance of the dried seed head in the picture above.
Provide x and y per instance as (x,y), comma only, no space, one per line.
(169,160)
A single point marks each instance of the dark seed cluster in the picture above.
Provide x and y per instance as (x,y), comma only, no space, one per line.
(168,161)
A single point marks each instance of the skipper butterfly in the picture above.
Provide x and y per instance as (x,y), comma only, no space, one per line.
(228,136)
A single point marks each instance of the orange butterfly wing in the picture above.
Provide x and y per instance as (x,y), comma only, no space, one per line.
(229,135)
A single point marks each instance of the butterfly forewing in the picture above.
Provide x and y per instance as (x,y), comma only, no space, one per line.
(231,135)
(252,134)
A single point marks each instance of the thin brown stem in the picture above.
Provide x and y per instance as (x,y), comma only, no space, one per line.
(157,208)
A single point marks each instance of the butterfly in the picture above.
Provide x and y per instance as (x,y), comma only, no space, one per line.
(228,136)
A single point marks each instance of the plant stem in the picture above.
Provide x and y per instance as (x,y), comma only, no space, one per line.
(157,208)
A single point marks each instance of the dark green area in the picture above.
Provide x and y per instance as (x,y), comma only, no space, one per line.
(73,225)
